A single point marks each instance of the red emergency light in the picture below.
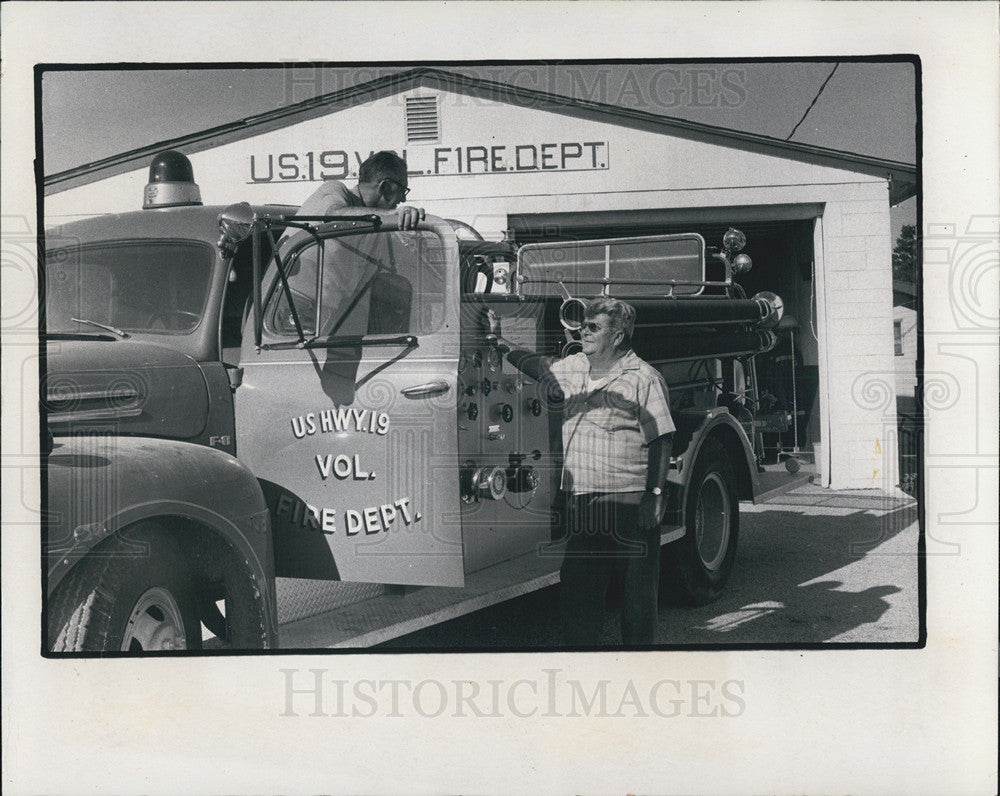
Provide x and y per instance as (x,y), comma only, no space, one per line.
(171,182)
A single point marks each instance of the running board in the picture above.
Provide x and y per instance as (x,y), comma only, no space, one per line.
(389,616)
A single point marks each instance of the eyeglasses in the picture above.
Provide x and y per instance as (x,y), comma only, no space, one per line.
(403,188)
(592,327)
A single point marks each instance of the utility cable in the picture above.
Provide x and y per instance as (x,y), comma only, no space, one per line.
(815,100)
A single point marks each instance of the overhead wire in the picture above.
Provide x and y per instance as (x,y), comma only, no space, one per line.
(815,100)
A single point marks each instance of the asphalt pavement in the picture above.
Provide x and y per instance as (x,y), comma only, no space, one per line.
(813,566)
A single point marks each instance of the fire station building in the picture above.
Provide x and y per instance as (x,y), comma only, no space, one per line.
(530,166)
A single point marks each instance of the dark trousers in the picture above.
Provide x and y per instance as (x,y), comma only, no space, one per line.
(605,544)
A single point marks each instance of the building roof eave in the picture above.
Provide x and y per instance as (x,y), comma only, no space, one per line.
(901,177)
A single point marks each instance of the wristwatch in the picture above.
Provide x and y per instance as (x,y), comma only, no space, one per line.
(655,491)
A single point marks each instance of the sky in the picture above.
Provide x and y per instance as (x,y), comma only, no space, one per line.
(867,108)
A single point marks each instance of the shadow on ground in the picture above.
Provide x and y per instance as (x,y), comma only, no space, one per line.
(807,570)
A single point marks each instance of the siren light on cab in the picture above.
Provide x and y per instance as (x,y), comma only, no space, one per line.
(171,182)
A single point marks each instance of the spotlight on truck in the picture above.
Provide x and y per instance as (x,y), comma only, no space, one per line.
(742,263)
(235,223)
(733,241)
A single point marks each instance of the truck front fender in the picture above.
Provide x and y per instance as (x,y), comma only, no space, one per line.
(98,485)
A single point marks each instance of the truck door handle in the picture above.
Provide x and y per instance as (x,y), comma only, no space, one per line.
(425,390)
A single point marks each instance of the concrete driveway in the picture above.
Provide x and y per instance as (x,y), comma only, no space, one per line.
(814,566)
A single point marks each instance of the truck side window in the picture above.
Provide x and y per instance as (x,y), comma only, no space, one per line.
(391,304)
(375,283)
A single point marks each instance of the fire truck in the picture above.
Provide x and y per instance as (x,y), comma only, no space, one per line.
(242,403)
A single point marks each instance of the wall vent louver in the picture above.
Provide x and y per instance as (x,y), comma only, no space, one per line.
(422,119)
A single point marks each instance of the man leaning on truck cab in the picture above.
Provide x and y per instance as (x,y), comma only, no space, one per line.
(617,436)
(382,185)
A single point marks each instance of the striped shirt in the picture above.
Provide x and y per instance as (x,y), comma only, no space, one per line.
(607,427)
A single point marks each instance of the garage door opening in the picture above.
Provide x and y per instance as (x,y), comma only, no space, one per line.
(780,243)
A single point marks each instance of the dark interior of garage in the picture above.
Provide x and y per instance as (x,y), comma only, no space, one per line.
(782,253)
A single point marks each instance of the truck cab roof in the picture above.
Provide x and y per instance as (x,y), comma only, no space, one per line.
(198,222)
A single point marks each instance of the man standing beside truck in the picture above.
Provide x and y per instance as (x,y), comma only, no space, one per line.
(617,436)
(382,184)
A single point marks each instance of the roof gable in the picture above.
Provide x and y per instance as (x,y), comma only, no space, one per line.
(902,177)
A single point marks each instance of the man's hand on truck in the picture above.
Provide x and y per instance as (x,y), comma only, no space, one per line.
(410,216)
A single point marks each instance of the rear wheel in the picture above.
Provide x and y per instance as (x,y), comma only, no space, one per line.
(132,594)
(695,568)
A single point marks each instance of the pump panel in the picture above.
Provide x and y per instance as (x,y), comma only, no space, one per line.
(508,438)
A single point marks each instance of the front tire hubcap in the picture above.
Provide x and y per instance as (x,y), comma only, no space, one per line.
(155,623)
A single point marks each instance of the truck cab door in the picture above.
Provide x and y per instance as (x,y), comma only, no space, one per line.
(350,424)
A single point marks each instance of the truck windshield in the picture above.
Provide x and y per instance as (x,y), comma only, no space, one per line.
(154,286)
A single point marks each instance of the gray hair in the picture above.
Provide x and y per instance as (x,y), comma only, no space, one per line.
(620,313)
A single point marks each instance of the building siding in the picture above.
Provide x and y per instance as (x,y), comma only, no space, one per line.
(858,299)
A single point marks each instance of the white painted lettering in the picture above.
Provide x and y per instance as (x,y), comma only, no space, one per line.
(325,464)
(342,467)
(353,521)
(329,520)
(402,504)
(343,418)
(359,474)
(340,418)
(388,512)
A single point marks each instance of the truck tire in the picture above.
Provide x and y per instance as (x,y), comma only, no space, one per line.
(244,625)
(130,594)
(694,569)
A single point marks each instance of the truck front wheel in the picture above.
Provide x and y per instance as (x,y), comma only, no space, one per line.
(131,594)
(695,568)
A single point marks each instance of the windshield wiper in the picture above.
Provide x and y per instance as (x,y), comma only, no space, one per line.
(78,336)
(106,327)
